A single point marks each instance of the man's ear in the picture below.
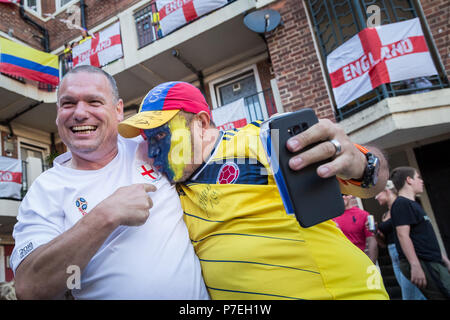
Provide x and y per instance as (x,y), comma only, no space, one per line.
(408,180)
(119,110)
(204,119)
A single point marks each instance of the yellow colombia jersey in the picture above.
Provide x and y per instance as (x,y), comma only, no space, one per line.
(249,248)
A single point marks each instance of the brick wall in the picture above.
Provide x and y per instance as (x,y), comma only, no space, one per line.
(437,14)
(12,23)
(295,61)
(96,13)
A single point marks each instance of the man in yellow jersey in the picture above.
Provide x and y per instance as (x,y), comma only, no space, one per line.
(249,248)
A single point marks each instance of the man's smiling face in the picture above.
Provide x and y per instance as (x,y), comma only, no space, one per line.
(87,116)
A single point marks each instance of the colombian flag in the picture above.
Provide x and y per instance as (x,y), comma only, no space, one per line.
(26,62)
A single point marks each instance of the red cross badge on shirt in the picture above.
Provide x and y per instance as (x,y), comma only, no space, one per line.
(148,173)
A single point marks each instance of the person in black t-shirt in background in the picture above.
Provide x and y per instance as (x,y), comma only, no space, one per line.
(421,260)
(385,237)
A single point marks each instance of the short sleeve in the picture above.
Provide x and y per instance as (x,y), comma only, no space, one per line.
(403,213)
(39,221)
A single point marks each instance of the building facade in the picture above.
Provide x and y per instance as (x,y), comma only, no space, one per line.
(277,71)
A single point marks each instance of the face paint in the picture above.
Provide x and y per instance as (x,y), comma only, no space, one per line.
(158,140)
(180,146)
(170,147)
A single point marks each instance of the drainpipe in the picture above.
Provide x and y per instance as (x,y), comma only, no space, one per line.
(83,14)
(45,40)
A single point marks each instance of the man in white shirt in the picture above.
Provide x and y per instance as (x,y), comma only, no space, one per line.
(92,211)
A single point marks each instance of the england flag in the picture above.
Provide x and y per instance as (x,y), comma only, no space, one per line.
(175,13)
(103,48)
(10,177)
(375,56)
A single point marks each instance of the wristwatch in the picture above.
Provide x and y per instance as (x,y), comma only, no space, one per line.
(370,176)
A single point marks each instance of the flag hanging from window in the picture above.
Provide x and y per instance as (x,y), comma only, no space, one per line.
(376,56)
(10,178)
(230,116)
(104,47)
(175,13)
(22,61)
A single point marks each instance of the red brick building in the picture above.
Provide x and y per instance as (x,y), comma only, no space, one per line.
(277,71)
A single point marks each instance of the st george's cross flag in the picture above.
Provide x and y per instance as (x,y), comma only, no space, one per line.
(230,116)
(175,13)
(10,177)
(104,47)
(375,56)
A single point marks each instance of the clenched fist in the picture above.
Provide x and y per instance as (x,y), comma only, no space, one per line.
(129,205)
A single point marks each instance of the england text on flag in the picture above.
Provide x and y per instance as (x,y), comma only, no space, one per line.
(103,48)
(376,56)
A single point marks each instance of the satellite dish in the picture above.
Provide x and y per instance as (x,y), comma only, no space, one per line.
(262,21)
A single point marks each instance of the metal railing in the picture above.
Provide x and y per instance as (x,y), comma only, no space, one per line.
(256,102)
(254,105)
(336,21)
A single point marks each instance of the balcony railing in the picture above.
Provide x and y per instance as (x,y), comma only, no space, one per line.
(256,102)
(394,89)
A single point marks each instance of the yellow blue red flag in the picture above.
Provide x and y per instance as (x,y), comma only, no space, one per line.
(26,62)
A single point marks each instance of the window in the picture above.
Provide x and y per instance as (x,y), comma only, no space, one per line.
(33,5)
(146,20)
(33,162)
(62,3)
(243,84)
(336,21)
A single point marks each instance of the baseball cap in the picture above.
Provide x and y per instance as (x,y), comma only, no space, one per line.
(161,104)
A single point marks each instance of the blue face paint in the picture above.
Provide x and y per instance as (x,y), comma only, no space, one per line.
(159,140)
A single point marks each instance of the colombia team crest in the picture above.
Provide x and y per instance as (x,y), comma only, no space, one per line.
(228,173)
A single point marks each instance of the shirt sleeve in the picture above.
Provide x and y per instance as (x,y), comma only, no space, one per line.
(403,213)
(38,222)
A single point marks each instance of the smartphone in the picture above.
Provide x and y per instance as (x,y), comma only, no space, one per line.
(311,198)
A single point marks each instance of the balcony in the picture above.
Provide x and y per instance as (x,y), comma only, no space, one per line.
(402,119)
(394,89)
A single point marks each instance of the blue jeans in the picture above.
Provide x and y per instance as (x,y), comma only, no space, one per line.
(409,291)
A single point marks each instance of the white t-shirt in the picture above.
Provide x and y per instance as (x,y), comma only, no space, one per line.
(152,261)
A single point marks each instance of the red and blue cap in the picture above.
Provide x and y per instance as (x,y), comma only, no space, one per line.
(161,104)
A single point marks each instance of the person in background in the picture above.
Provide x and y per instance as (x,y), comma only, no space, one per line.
(84,36)
(385,237)
(420,256)
(68,62)
(353,224)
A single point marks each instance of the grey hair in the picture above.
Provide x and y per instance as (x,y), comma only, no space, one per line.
(92,69)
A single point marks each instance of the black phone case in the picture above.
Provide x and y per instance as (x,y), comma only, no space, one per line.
(314,199)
